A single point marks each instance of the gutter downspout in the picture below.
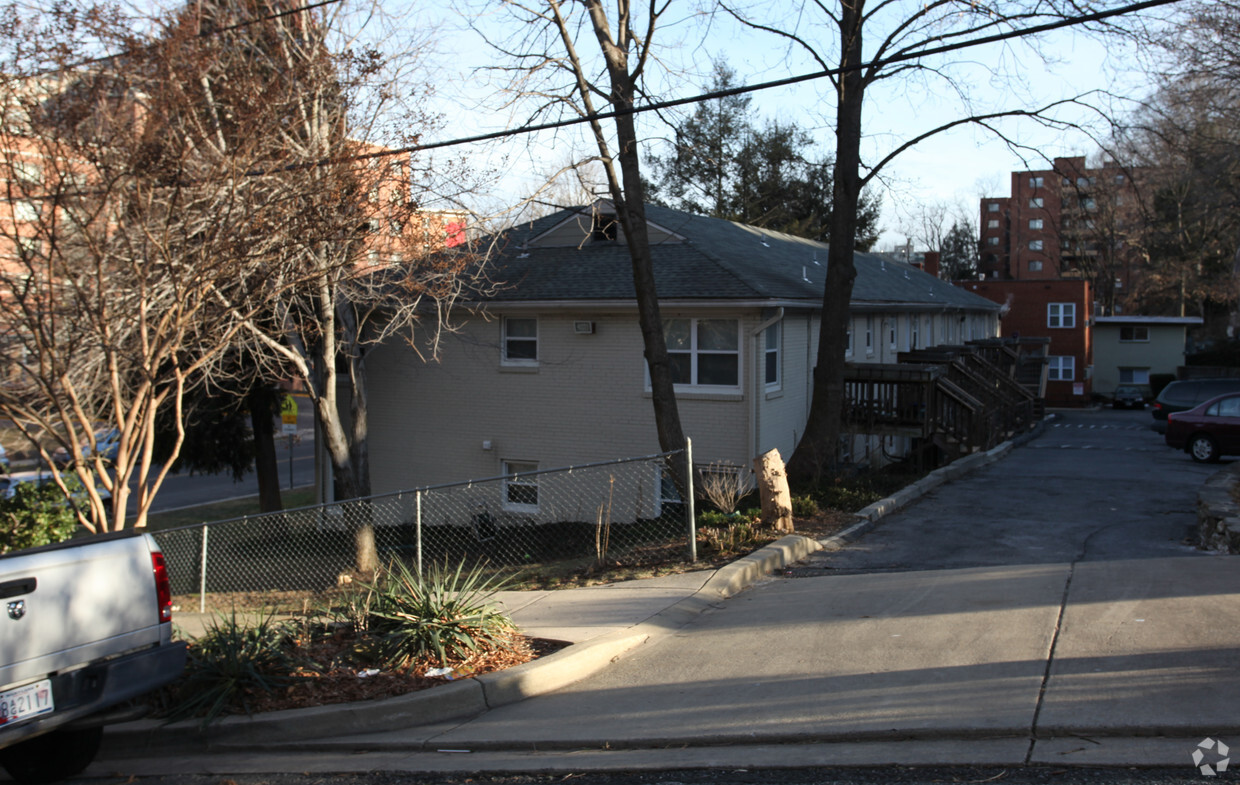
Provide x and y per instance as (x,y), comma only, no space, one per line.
(760,378)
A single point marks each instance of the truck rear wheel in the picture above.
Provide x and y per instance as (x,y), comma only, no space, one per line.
(52,756)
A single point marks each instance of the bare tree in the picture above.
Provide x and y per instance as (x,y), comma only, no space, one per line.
(833,35)
(209,196)
(547,49)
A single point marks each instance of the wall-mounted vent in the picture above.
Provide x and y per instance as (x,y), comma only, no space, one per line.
(583,328)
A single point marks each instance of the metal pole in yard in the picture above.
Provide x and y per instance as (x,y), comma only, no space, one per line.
(418,527)
(290,461)
(689,511)
(202,573)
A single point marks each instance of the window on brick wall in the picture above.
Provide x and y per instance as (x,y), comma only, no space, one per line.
(1036,182)
(1061,315)
(1062,368)
(1035,223)
(1036,202)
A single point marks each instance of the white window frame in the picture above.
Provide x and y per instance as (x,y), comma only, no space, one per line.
(1036,245)
(772,340)
(1036,202)
(893,333)
(914,331)
(1061,316)
(869,335)
(1137,334)
(992,207)
(508,341)
(695,353)
(519,474)
(993,223)
(1035,223)
(1061,368)
(1036,182)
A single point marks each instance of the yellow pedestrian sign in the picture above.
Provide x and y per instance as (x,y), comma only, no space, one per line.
(288,414)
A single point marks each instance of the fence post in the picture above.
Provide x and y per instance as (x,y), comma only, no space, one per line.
(689,511)
(202,572)
(417,498)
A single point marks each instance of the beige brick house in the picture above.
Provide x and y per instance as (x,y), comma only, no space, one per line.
(551,373)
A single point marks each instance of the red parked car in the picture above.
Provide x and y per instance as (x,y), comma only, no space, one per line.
(1208,430)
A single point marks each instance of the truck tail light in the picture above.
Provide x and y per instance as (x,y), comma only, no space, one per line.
(163,587)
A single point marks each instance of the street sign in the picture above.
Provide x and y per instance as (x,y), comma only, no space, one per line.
(288,414)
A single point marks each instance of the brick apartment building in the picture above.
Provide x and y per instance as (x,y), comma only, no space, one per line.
(1069,221)
(1055,309)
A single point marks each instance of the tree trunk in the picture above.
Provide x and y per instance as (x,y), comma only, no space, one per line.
(631,210)
(266,469)
(815,454)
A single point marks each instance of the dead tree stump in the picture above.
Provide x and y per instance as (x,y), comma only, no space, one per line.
(773,490)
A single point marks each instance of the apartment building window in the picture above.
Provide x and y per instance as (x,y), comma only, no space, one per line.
(992,240)
(1036,202)
(1035,266)
(1119,179)
(520,486)
(1035,245)
(771,355)
(1134,375)
(1134,335)
(1089,203)
(520,341)
(993,223)
(1035,223)
(704,352)
(992,207)
(1036,182)
(1084,182)
(1062,368)
(1062,315)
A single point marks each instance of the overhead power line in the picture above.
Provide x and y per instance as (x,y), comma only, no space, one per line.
(1058,24)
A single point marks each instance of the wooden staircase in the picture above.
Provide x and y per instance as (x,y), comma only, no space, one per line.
(950,400)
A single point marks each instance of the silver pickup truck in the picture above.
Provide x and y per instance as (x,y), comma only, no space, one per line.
(85,626)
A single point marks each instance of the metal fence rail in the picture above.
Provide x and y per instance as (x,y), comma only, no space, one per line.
(615,512)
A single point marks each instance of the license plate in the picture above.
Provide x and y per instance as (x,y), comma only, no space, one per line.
(25,702)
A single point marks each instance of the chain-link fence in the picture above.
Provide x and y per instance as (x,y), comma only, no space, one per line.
(555,521)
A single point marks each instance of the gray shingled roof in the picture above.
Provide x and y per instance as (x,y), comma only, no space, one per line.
(719,260)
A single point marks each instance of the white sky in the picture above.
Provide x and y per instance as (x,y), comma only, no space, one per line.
(956,167)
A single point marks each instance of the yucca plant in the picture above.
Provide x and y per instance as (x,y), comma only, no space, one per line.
(442,612)
(230,661)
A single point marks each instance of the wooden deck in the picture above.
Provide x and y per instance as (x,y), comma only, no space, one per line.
(954,399)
